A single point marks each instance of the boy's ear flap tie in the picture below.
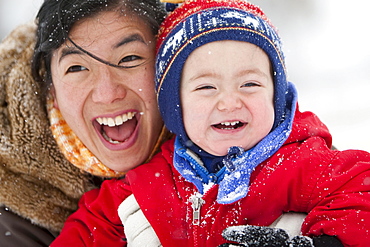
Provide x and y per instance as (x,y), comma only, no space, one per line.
(171,5)
(172,1)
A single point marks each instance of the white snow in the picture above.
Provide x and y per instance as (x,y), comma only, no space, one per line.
(328,59)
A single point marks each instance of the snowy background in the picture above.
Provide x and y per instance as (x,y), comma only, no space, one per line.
(327,49)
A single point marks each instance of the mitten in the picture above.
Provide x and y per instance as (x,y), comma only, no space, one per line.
(259,236)
(290,222)
(138,231)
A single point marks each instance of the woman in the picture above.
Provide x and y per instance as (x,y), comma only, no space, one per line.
(89,104)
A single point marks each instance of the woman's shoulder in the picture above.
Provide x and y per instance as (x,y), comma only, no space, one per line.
(17,45)
(37,180)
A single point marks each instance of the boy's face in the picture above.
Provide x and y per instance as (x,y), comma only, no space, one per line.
(227,96)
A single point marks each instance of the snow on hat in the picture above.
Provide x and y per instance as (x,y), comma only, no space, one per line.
(198,22)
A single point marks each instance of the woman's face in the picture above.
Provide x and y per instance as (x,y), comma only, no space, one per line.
(112,110)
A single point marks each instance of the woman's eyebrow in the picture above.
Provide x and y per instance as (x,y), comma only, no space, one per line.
(129,39)
(69,51)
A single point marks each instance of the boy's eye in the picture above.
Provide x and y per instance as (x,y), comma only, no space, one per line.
(205,87)
(250,84)
(76,68)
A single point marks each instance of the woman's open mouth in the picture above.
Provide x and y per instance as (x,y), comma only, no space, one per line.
(118,129)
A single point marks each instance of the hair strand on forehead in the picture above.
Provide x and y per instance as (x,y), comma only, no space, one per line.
(56,18)
(98,58)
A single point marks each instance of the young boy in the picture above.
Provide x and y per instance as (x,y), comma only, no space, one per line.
(243,154)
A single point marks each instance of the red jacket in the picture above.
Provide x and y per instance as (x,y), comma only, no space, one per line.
(303,176)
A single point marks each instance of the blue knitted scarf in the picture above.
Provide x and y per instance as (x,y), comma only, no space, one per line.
(234,177)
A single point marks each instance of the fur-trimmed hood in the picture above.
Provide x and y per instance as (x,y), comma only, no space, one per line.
(36,181)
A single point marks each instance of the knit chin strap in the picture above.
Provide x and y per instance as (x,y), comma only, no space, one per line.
(172,1)
(71,146)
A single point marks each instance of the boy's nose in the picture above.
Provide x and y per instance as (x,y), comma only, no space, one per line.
(108,86)
(229,102)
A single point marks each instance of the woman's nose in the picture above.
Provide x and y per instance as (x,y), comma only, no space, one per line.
(109,86)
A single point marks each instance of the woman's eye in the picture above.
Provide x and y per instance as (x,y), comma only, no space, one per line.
(76,68)
(130,59)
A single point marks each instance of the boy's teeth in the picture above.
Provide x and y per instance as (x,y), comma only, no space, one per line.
(111,122)
(230,123)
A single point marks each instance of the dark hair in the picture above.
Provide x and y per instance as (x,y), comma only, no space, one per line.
(56,18)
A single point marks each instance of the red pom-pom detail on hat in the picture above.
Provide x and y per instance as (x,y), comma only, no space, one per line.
(193,6)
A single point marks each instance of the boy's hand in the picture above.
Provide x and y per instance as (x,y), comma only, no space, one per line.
(258,236)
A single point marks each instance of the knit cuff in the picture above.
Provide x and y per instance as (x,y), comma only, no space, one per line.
(326,241)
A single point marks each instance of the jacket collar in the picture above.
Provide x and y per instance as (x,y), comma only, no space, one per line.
(234,177)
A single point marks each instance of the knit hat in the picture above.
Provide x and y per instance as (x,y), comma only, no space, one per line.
(198,22)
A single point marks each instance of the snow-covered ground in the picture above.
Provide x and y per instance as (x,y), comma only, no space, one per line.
(327,53)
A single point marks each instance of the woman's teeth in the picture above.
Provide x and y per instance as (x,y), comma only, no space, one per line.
(111,122)
(110,140)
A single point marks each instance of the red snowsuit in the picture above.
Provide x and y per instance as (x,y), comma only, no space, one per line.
(303,176)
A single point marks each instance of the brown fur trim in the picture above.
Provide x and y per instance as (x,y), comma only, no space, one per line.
(36,181)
